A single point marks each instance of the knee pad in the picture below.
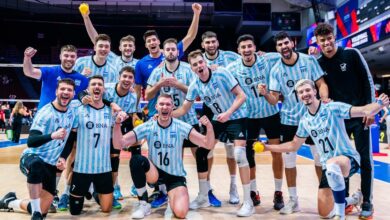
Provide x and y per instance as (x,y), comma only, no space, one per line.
(229,147)
(240,156)
(34,176)
(75,205)
(315,155)
(201,159)
(139,165)
(210,154)
(250,154)
(135,150)
(335,177)
(115,164)
(290,159)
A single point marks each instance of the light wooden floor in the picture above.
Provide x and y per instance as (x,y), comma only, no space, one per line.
(11,179)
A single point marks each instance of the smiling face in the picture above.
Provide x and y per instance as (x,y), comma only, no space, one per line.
(247,50)
(68,59)
(306,94)
(64,94)
(210,45)
(127,48)
(285,48)
(199,66)
(327,43)
(152,43)
(102,48)
(96,89)
(164,108)
(126,80)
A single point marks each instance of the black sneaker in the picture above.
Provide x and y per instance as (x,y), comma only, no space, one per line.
(255,198)
(37,216)
(6,200)
(154,196)
(367,211)
(278,200)
(88,196)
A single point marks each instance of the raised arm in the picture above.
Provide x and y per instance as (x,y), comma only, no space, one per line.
(92,33)
(182,110)
(118,139)
(207,141)
(290,146)
(370,109)
(28,68)
(193,29)
(272,97)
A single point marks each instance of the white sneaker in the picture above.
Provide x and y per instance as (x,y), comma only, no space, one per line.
(201,201)
(234,197)
(291,207)
(247,209)
(143,209)
(357,199)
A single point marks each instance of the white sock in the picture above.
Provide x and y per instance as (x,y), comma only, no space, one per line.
(208,184)
(247,193)
(162,188)
(35,205)
(116,182)
(339,209)
(233,179)
(141,191)
(66,190)
(15,205)
(293,192)
(278,184)
(57,180)
(203,187)
(253,185)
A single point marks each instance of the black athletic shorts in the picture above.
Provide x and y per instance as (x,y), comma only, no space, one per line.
(207,111)
(171,181)
(270,124)
(232,130)
(188,143)
(354,169)
(102,183)
(48,172)
(287,133)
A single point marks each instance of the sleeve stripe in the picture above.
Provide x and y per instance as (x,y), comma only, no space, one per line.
(235,86)
(188,137)
(300,136)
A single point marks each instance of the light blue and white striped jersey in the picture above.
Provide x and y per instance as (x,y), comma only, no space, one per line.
(327,129)
(249,77)
(272,58)
(108,70)
(119,63)
(283,79)
(128,102)
(185,76)
(48,120)
(93,140)
(223,59)
(165,144)
(217,93)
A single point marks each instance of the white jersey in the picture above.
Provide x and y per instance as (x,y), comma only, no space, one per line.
(249,78)
(48,120)
(93,140)
(128,102)
(327,129)
(165,144)
(283,79)
(184,75)
(223,59)
(87,66)
(272,58)
(217,93)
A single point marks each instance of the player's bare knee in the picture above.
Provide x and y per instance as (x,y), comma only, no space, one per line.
(180,212)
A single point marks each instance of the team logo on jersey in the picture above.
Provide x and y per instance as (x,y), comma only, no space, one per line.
(290,83)
(240,135)
(215,85)
(90,125)
(155,134)
(77,82)
(285,74)
(325,73)
(314,133)
(173,134)
(86,115)
(248,81)
(303,69)
(106,115)
(323,116)
(57,120)
(343,67)
(150,66)
(157,144)
(58,78)
(207,99)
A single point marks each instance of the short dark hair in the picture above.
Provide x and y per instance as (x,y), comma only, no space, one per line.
(323,29)
(103,37)
(149,33)
(281,35)
(127,38)
(194,54)
(127,69)
(69,48)
(170,40)
(68,81)
(245,37)
(208,34)
(96,77)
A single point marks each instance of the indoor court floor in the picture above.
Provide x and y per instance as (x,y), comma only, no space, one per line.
(11,179)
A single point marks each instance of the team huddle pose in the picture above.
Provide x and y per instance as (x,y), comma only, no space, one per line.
(240,95)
